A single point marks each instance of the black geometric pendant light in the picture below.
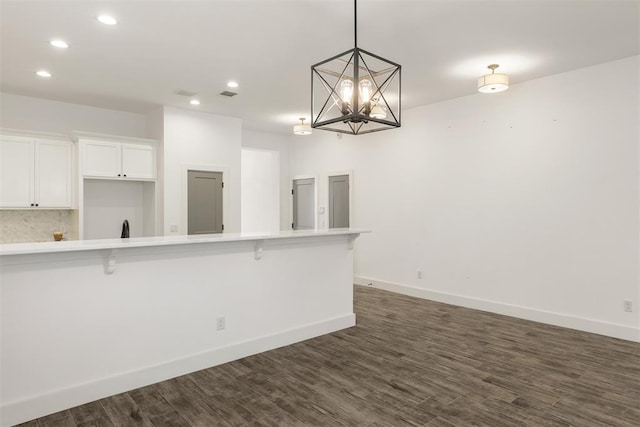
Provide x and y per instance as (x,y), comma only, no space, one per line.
(355,92)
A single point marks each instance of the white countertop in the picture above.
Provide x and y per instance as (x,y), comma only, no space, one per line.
(138,242)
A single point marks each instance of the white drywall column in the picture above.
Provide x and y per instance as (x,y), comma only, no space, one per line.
(260,206)
(195,138)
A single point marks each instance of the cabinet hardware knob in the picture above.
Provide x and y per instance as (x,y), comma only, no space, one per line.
(125,174)
(118,174)
(37,204)
(31,204)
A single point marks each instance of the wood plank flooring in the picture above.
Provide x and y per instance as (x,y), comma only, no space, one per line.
(407,362)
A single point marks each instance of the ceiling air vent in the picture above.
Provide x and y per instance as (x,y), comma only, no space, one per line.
(228,93)
(183,92)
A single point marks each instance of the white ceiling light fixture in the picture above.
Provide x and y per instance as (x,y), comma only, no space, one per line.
(302,128)
(232,84)
(378,111)
(43,73)
(107,19)
(194,102)
(493,83)
(61,44)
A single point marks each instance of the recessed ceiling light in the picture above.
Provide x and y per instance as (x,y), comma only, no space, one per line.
(43,73)
(107,19)
(59,43)
(194,102)
(232,84)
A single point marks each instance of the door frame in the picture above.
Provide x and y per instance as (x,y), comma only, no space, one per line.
(315,198)
(185,168)
(326,195)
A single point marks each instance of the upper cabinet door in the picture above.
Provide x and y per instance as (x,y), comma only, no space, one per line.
(101,159)
(53,174)
(138,161)
(16,172)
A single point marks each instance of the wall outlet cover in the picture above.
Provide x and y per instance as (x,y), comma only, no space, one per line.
(220,323)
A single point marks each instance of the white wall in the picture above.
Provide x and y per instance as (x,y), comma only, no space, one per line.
(524,202)
(155,130)
(197,140)
(260,191)
(107,203)
(43,115)
(279,143)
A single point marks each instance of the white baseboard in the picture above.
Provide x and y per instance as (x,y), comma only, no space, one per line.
(579,323)
(50,402)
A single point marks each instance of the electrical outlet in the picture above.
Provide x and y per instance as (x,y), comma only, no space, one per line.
(628,305)
(419,274)
(220,323)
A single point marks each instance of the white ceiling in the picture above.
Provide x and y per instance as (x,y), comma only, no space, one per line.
(268,46)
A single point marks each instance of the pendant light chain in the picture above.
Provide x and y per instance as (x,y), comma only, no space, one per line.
(355,23)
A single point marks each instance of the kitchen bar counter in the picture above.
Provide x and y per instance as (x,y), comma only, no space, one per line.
(137,242)
(82,320)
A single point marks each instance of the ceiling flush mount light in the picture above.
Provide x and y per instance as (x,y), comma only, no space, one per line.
(356,91)
(232,84)
(107,19)
(59,43)
(302,129)
(493,83)
(194,102)
(43,73)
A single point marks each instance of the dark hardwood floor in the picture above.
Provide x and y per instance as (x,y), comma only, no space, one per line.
(407,362)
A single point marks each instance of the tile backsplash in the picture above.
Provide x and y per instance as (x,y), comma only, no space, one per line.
(18,226)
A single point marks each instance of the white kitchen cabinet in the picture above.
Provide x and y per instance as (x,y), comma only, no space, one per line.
(101,159)
(16,172)
(35,173)
(138,161)
(118,160)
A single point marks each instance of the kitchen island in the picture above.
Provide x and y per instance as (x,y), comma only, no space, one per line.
(82,320)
